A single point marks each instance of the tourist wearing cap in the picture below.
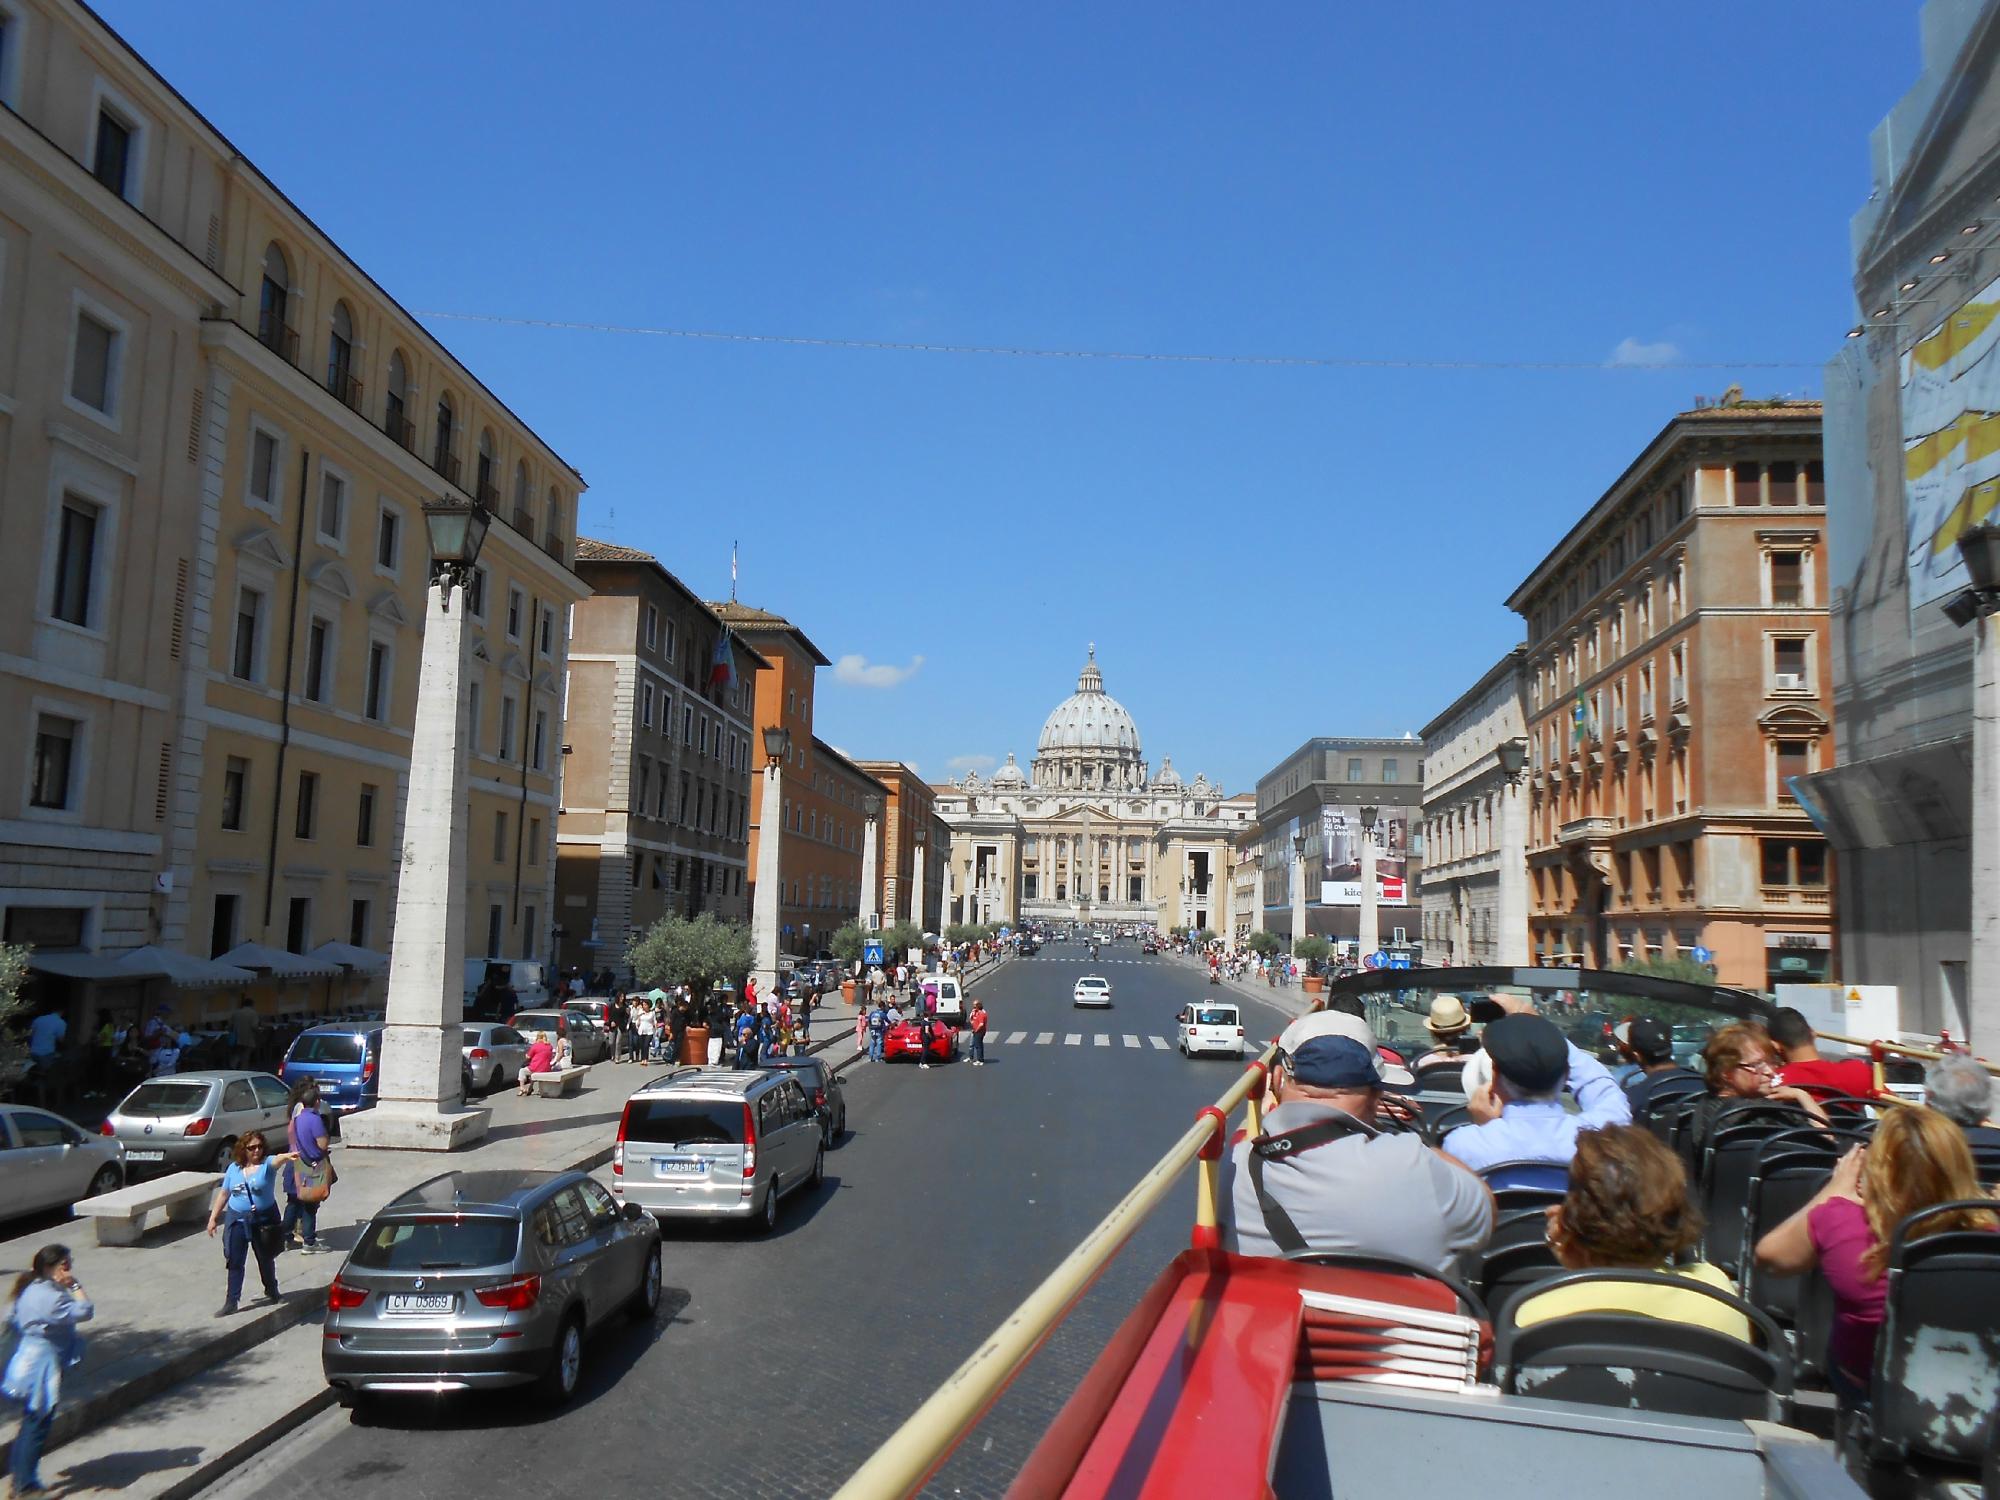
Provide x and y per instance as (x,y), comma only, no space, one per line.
(1520,1116)
(1451,1032)
(1649,1046)
(1322,1177)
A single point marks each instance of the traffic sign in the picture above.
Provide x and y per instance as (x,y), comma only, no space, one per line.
(1374,960)
(871,952)
(1701,955)
(1397,961)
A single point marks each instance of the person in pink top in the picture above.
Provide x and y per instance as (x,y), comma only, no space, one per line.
(541,1059)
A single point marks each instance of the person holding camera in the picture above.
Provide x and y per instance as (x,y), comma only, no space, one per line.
(48,1304)
(246,1210)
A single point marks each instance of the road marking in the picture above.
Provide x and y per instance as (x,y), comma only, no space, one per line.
(1043,1038)
(1016,1037)
(1159,1043)
(1130,1040)
(1102,1040)
(1074,1039)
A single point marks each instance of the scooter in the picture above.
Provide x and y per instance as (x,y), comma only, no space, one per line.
(1213,977)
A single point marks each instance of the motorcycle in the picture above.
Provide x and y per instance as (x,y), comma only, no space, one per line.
(1213,977)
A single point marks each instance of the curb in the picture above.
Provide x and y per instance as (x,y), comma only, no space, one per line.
(209,1473)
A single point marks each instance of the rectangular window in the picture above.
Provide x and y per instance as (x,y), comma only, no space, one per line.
(474,720)
(475,595)
(298,925)
(652,627)
(249,620)
(94,366)
(534,841)
(112,162)
(547,643)
(222,924)
(1794,757)
(388,540)
(375,700)
(306,820)
(364,818)
(496,927)
(235,789)
(528,916)
(507,711)
(318,666)
(687,725)
(76,560)
(499,836)
(515,599)
(1388,770)
(646,704)
(1788,578)
(1788,665)
(540,738)
(1749,484)
(264,468)
(1354,771)
(357,922)
(332,507)
(1784,477)
(645,784)
(55,759)
(671,640)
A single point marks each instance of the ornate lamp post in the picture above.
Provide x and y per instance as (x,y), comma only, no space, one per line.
(870,915)
(1298,891)
(421,1107)
(1370,937)
(1512,915)
(770,821)
(1980,547)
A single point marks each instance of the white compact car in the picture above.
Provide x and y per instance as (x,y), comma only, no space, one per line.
(1210,1028)
(1092,989)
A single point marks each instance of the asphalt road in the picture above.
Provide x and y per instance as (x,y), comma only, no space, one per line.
(776,1365)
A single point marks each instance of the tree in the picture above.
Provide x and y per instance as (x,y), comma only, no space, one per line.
(1659,966)
(900,939)
(13,974)
(1204,937)
(963,932)
(1265,944)
(846,942)
(1313,951)
(699,954)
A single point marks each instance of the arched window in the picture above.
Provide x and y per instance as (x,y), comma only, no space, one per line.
(340,357)
(274,330)
(487,491)
(395,411)
(524,517)
(442,457)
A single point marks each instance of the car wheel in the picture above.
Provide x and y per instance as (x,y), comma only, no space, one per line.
(109,1179)
(819,1168)
(646,1301)
(767,1217)
(826,1134)
(565,1369)
(220,1158)
(840,1126)
(499,1077)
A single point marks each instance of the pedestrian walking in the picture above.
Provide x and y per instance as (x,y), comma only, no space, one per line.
(309,1179)
(246,1209)
(48,1304)
(747,1021)
(861,1014)
(644,1023)
(975,1023)
(243,1024)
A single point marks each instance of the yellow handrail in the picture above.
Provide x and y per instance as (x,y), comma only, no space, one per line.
(916,1449)
(1905,1049)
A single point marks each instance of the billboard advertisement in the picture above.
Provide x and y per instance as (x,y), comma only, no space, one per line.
(1340,857)
(1951,440)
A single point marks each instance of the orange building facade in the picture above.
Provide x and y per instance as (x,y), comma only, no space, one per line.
(1678,676)
(911,810)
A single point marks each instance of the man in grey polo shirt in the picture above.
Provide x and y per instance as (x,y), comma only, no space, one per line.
(1322,1177)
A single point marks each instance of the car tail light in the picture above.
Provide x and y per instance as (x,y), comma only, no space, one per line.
(618,1150)
(1239,1031)
(340,1296)
(518,1295)
(819,1098)
(367,1069)
(749,1140)
(105,1129)
(480,1054)
(199,1127)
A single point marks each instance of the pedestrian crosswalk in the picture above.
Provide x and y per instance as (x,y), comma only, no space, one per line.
(1133,1041)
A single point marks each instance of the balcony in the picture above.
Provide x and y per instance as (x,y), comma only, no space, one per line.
(524,521)
(1618,719)
(1595,830)
(275,336)
(400,430)
(445,463)
(345,388)
(553,545)
(487,495)
(1646,706)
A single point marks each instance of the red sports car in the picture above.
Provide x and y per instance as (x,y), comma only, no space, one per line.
(918,1041)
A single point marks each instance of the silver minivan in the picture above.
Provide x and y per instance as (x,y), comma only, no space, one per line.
(713,1143)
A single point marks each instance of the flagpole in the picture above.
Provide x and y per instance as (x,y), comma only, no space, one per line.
(732,572)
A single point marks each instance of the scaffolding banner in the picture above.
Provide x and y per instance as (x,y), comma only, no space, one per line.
(1951,440)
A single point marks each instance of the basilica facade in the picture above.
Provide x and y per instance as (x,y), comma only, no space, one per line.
(1086,833)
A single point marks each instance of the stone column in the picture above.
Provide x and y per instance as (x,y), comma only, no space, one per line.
(764,913)
(1510,942)
(1370,936)
(1228,928)
(869,908)
(1982,1016)
(917,888)
(421,1107)
(1298,899)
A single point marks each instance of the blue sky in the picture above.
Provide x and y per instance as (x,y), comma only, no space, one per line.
(1260,553)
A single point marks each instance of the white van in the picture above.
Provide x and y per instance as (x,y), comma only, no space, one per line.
(531,990)
(1210,1028)
(950,999)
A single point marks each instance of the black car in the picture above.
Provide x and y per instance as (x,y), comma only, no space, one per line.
(823,1092)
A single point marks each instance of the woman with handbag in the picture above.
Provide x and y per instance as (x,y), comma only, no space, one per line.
(309,1179)
(246,1208)
(48,1304)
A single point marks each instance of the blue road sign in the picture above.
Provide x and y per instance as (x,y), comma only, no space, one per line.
(871,952)
(1399,961)
(1374,960)
(1701,955)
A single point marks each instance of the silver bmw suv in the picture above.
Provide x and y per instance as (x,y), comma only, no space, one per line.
(474,1280)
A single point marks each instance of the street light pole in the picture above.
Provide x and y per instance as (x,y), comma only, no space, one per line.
(1370,937)
(770,819)
(1976,606)
(421,1105)
(1298,892)
(917,901)
(871,809)
(1511,949)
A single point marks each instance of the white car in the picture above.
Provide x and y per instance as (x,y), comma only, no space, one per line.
(1091,990)
(1210,1028)
(48,1162)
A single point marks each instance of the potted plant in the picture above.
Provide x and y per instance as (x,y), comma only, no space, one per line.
(1313,951)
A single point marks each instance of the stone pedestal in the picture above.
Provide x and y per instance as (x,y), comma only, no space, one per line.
(868,906)
(421,1108)
(1983,1003)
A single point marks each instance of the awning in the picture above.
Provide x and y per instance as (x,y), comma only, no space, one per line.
(182,970)
(278,963)
(90,966)
(359,960)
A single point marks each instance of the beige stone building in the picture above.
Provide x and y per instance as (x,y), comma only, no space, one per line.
(658,755)
(1475,907)
(216,436)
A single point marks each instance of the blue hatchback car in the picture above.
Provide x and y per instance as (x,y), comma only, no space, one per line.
(344,1059)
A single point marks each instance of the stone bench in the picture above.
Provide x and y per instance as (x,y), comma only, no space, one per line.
(559,1084)
(120,1217)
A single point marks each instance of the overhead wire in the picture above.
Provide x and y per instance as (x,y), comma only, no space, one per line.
(1129,356)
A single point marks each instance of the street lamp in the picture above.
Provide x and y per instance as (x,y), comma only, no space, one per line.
(1511,946)
(1298,891)
(1369,938)
(871,809)
(918,896)
(420,1105)
(770,829)
(1975,606)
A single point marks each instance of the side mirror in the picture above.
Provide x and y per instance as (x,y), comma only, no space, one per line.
(633,1213)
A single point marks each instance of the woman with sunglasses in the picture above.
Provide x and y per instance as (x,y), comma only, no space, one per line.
(1741,1064)
(48,1304)
(246,1207)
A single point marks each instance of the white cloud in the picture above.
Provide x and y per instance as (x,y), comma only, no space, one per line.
(856,670)
(1633,352)
(972,762)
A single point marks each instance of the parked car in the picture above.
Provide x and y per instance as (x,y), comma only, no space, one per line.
(475,1280)
(919,1041)
(494,1056)
(1209,1028)
(588,1043)
(712,1143)
(950,998)
(822,1088)
(1150,945)
(189,1121)
(48,1162)
(343,1058)
(597,1012)
(1092,989)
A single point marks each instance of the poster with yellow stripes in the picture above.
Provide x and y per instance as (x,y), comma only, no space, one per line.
(1951,440)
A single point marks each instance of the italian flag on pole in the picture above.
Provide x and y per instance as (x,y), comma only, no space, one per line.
(722,665)
(1580,718)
